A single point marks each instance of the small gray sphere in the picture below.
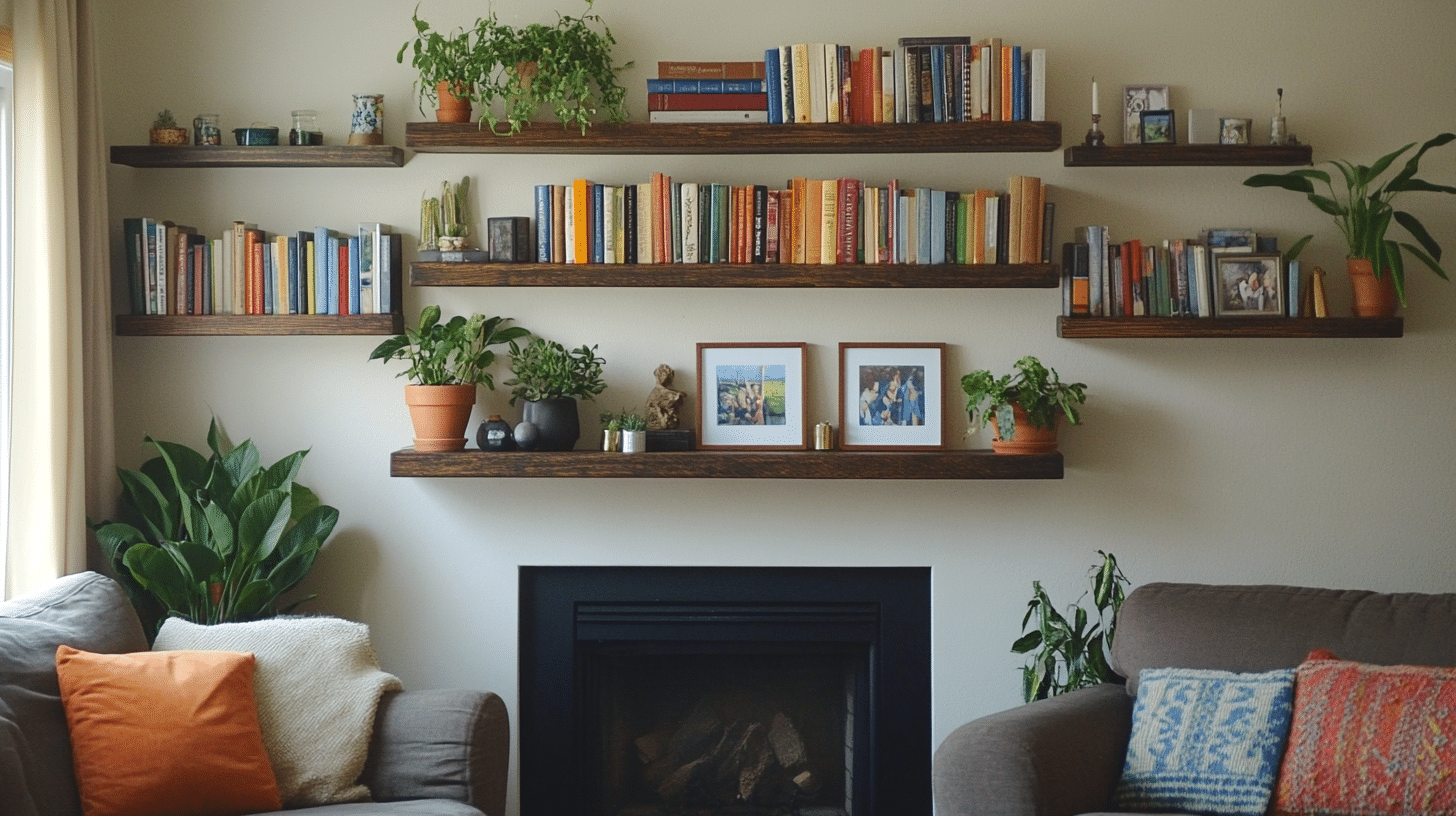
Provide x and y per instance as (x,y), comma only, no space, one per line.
(527,435)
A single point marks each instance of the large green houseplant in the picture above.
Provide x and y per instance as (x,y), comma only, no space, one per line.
(1071,654)
(447,69)
(550,378)
(213,538)
(1023,406)
(1364,207)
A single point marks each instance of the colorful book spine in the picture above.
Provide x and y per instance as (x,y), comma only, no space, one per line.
(773,86)
(705,86)
(673,69)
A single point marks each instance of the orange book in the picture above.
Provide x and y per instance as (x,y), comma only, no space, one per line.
(581,213)
(1014,189)
(813,221)
(798,194)
(877,86)
(786,226)
(1007,97)
(253,280)
(1132,275)
(345,307)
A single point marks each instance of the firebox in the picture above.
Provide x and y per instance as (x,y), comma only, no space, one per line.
(725,691)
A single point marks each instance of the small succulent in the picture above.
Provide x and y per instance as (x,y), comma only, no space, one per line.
(165,120)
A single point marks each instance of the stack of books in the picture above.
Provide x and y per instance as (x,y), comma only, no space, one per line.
(707,92)
(174,270)
(809,221)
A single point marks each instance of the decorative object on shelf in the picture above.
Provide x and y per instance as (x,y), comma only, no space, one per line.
(206,130)
(446,362)
(445,221)
(256,135)
(1095,137)
(495,435)
(1364,210)
(447,69)
(550,379)
(664,403)
(1157,127)
(634,432)
(752,396)
(1203,126)
(1022,408)
(1071,654)
(1249,284)
(305,130)
(510,239)
(1278,128)
(892,396)
(527,435)
(366,125)
(217,538)
(676,439)
(165,130)
(1135,100)
(567,65)
(823,437)
(1234,131)
(611,433)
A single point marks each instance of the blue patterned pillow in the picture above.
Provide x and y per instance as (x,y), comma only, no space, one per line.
(1206,741)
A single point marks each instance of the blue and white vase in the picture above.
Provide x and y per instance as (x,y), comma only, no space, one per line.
(366,127)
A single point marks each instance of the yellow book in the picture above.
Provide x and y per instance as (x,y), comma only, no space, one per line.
(581,199)
(813,221)
(829,222)
(282,274)
(799,53)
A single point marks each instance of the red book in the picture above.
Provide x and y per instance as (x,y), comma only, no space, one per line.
(706,101)
(344,279)
(846,83)
(771,228)
(199,271)
(254,246)
(848,221)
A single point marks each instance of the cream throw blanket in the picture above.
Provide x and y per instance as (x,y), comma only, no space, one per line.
(318,685)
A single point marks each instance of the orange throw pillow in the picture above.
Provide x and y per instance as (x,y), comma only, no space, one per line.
(165,733)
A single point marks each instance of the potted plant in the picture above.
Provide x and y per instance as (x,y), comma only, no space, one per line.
(215,538)
(1022,407)
(550,379)
(1071,654)
(166,131)
(611,432)
(567,66)
(630,429)
(446,362)
(446,66)
(1363,209)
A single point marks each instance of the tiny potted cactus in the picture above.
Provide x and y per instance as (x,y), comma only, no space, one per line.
(165,130)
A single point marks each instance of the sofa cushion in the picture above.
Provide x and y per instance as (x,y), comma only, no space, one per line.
(1375,740)
(1258,628)
(87,611)
(1206,741)
(165,733)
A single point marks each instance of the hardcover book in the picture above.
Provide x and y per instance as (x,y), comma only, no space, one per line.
(675,69)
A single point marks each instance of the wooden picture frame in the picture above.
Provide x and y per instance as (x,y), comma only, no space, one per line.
(1248,284)
(1135,100)
(892,396)
(752,396)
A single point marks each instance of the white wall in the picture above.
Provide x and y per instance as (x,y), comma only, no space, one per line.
(1322,462)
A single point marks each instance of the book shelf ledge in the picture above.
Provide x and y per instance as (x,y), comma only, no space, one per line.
(839,276)
(1267,327)
(257,156)
(1197,155)
(949,464)
(256,325)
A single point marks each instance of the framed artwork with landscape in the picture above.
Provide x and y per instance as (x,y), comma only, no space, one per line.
(751,396)
(1158,127)
(892,396)
(1135,100)
(1248,284)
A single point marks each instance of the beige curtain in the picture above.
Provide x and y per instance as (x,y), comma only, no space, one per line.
(62,447)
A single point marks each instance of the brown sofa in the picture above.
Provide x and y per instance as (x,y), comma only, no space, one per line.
(1063,756)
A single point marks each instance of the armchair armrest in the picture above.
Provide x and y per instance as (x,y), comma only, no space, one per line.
(444,744)
(1055,757)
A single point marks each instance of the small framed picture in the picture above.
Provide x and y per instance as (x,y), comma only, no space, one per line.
(1232,239)
(1157,127)
(752,396)
(892,396)
(1135,100)
(1248,285)
(1234,131)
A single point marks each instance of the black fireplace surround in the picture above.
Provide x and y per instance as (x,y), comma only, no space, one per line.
(578,623)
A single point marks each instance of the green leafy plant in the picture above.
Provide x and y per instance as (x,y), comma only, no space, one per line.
(1364,209)
(1037,389)
(1071,654)
(213,538)
(456,352)
(447,57)
(164,120)
(611,421)
(546,370)
(624,420)
(567,66)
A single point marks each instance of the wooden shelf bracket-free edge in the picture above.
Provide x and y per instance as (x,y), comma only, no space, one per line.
(1087,328)
(257,325)
(257,156)
(1196,155)
(841,276)
(957,464)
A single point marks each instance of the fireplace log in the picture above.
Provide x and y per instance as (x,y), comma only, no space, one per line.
(651,747)
(807,782)
(758,758)
(787,745)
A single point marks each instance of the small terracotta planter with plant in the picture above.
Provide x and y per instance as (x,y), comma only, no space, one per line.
(165,130)
(1023,407)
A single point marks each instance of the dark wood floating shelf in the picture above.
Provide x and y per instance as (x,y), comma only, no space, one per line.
(728,138)
(837,276)
(1199,155)
(955,464)
(258,156)
(1141,327)
(259,325)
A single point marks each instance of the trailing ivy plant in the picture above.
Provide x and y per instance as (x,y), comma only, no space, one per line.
(456,352)
(1071,654)
(545,370)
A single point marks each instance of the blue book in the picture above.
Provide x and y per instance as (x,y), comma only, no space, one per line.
(937,226)
(1018,86)
(543,223)
(937,81)
(771,82)
(598,238)
(293,276)
(331,274)
(270,279)
(902,235)
(389,264)
(355,284)
(207,277)
(321,270)
(705,86)
(1291,290)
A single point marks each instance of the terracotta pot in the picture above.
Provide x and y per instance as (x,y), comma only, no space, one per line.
(440,414)
(454,102)
(1025,438)
(1374,297)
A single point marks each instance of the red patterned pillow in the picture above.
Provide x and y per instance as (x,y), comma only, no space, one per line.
(1370,740)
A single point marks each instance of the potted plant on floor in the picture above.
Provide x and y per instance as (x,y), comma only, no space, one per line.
(1022,407)
(550,379)
(446,362)
(215,538)
(1363,209)
(447,69)
(1071,654)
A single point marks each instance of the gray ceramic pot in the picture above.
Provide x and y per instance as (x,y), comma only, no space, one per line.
(557,422)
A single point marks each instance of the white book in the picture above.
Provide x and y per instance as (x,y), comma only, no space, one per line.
(887,87)
(1038,84)
(571,225)
(690,222)
(818,103)
(831,83)
(986,74)
(223,263)
(993,227)
(786,83)
(708,116)
(215,277)
(609,220)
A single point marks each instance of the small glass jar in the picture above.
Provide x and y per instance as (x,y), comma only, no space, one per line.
(305,129)
(206,129)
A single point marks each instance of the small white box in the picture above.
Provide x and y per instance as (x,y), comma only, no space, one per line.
(1203,126)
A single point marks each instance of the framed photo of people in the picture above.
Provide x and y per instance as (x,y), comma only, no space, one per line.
(751,396)
(1248,284)
(892,396)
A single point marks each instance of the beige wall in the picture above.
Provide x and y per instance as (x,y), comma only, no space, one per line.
(1324,462)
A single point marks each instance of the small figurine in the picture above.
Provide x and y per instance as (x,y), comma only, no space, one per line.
(663,402)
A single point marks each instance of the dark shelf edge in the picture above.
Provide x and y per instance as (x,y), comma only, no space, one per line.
(256,325)
(1200,155)
(841,276)
(185,156)
(933,465)
(1089,328)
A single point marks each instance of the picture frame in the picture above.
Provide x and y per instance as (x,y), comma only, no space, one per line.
(1231,239)
(752,396)
(1234,131)
(892,396)
(1248,284)
(1135,100)
(1158,127)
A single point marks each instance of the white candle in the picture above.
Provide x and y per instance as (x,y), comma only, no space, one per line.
(1094,97)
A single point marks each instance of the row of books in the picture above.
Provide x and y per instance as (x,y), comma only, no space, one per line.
(809,221)
(172,269)
(1193,277)
(922,79)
